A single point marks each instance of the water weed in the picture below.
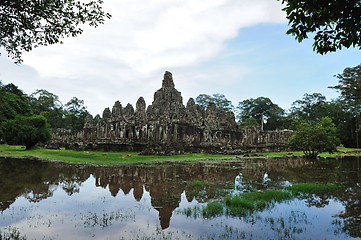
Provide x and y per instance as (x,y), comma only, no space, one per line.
(312,188)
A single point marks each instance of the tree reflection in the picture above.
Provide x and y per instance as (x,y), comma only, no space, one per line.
(37,180)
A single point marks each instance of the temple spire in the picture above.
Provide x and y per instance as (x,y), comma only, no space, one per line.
(168,80)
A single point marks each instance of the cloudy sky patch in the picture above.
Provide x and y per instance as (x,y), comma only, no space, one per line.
(234,47)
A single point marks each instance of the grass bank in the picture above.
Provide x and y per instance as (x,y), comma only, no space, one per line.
(101,158)
(120,158)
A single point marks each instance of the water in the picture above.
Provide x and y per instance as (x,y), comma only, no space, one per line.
(43,200)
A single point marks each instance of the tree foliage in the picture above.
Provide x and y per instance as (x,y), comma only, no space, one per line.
(11,106)
(312,107)
(221,102)
(26,131)
(248,122)
(350,89)
(336,23)
(42,100)
(261,109)
(13,89)
(314,138)
(27,24)
(75,113)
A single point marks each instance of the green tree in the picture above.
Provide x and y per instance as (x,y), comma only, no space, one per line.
(312,107)
(343,119)
(75,113)
(262,109)
(336,23)
(349,87)
(42,100)
(11,106)
(48,105)
(26,131)
(314,138)
(248,122)
(221,102)
(13,89)
(26,24)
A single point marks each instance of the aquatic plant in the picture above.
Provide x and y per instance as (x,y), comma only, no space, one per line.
(212,209)
(245,203)
(199,184)
(314,188)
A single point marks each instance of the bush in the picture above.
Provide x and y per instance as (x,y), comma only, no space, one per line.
(26,131)
(315,138)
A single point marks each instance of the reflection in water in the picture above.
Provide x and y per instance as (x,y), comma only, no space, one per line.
(38,181)
(266,179)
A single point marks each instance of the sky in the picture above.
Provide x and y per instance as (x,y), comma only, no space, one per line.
(238,48)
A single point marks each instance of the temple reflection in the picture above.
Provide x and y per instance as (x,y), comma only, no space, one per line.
(165,184)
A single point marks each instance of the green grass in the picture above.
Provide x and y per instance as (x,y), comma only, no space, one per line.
(101,158)
(199,184)
(249,202)
(244,204)
(120,158)
(212,209)
(312,188)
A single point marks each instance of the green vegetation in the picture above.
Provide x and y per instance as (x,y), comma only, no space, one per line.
(335,24)
(221,102)
(261,109)
(313,139)
(244,204)
(311,188)
(28,24)
(248,202)
(119,158)
(349,86)
(99,158)
(26,130)
(212,209)
(199,184)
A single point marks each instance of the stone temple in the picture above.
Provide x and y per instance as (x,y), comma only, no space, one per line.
(167,127)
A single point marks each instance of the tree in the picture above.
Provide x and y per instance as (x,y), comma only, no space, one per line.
(75,113)
(221,102)
(248,122)
(350,89)
(26,131)
(314,138)
(42,100)
(48,105)
(13,89)
(26,24)
(261,109)
(11,106)
(312,107)
(336,23)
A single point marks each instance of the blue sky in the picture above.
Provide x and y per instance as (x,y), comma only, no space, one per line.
(235,47)
(281,68)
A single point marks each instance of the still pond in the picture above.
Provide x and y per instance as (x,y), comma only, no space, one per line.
(45,200)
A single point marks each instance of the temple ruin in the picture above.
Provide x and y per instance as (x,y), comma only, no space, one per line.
(167,127)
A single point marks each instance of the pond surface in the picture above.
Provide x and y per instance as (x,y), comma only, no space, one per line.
(43,200)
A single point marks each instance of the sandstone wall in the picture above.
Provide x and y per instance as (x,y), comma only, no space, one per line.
(168,127)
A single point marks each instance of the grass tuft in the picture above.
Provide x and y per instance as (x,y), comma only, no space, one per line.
(199,184)
(312,188)
(212,209)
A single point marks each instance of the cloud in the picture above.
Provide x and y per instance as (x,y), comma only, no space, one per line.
(126,57)
(146,36)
